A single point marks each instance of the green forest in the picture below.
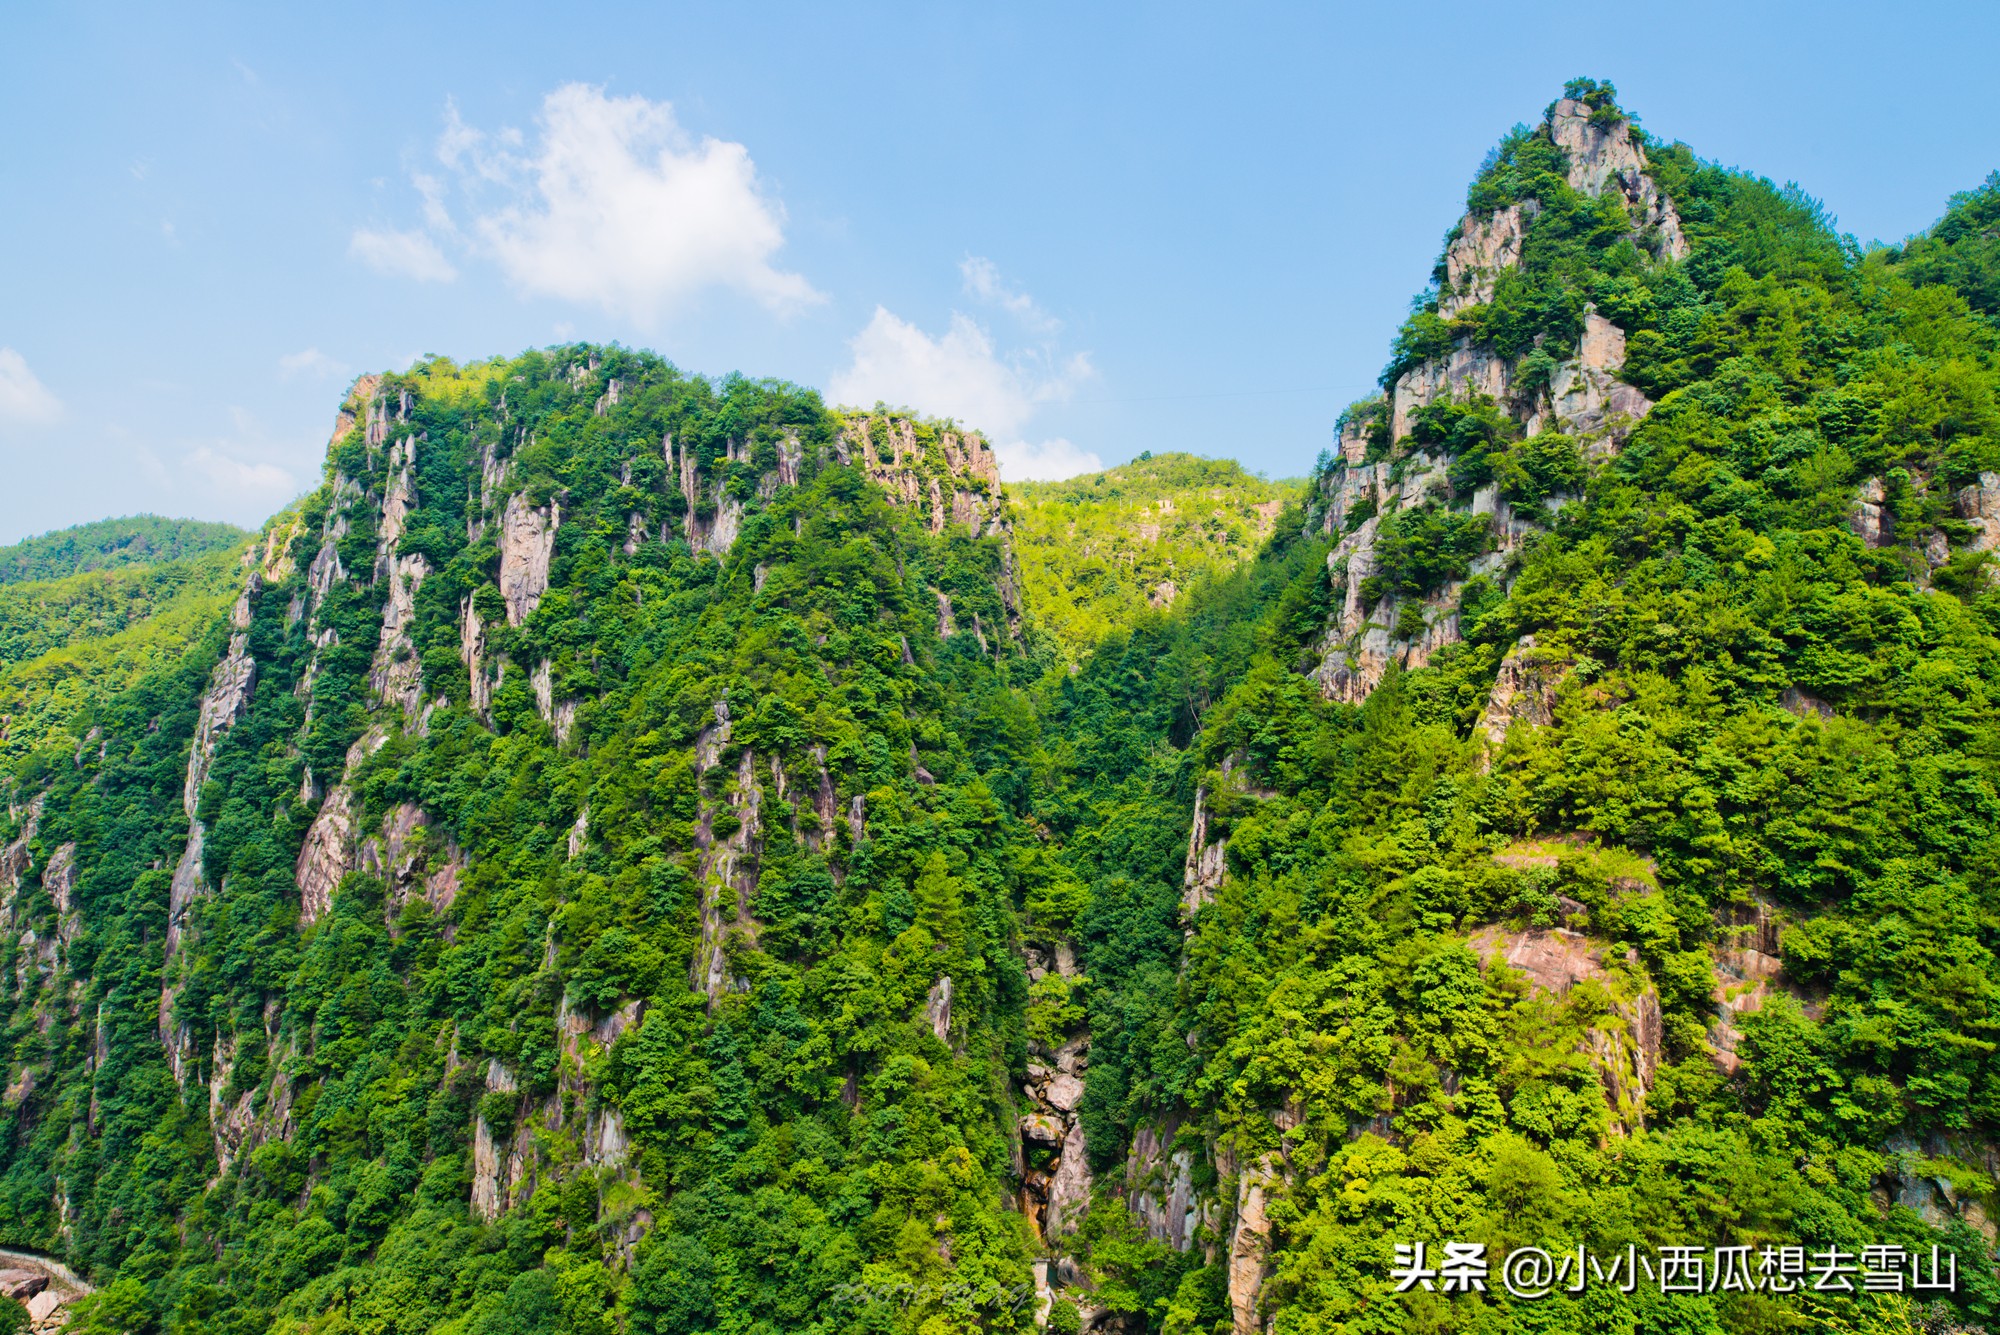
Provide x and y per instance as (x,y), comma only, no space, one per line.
(114,544)
(1098,551)
(636,852)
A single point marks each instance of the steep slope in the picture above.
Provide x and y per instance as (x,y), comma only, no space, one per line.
(1099,551)
(630,860)
(579,872)
(1592,841)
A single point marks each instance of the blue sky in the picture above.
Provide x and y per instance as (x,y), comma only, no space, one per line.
(1092,230)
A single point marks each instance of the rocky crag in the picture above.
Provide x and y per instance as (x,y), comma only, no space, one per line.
(1381,470)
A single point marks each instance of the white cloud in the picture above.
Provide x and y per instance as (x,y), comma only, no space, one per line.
(982,280)
(402,255)
(236,481)
(960,374)
(1046,461)
(312,362)
(23,397)
(956,375)
(615,205)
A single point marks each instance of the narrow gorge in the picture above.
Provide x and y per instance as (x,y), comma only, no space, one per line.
(634,852)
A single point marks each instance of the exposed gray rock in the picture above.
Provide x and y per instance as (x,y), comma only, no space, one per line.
(1471,369)
(1587,399)
(1604,157)
(326,856)
(1159,1187)
(396,676)
(1979,506)
(937,1009)
(1479,252)
(1524,691)
(1206,862)
(1872,521)
(472,651)
(1069,1187)
(1248,1243)
(398,855)
(59,879)
(527,541)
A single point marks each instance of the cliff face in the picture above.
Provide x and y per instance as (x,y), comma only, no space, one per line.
(510,564)
(1578,396)
(629,853)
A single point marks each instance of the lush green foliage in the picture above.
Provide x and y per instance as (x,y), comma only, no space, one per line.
(1098,552)
(112,544)
(803,1133)
(1754,712)
(1708,569)
(66,642)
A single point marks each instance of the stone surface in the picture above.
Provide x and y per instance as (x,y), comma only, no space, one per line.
(937,1009)
(396,676)
(326,856)
(1554,960)
(1470,369)
(1979,506)
(1206,861)
(1159,1187)
(1624,1045)
(1524,691)
(527,541)
(1603,157)
(1247,1245)
(1069,1186)
(1587,400)
(1482,248)
(1872,521)
(398,854)
(1746,967)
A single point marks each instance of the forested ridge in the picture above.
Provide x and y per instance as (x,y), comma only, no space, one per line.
(657,854)
(112,544)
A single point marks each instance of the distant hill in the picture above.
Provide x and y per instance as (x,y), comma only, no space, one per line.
(1097,551)
(109,544)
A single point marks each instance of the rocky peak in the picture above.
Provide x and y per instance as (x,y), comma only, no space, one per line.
(1603,156)
(950,473)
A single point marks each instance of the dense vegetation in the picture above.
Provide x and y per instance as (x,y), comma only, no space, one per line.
(1097,552)
(68,641)
(1757,717)
(113,544)
(1708,579)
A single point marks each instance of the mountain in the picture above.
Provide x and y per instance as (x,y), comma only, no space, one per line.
(67,641)
(644,853)
(1098,552)
(112,544)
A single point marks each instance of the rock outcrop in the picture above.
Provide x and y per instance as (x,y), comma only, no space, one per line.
(1478,252)
(1979,507)
(227,699)
(1586,400)
(1159,1187)
(1524,691)
(1582,398)
(1625,1045)
(952,475)
(1207,860)
(1747,966)
(1249,1243)
(1603,156)
(1055,1172)
(527,541)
